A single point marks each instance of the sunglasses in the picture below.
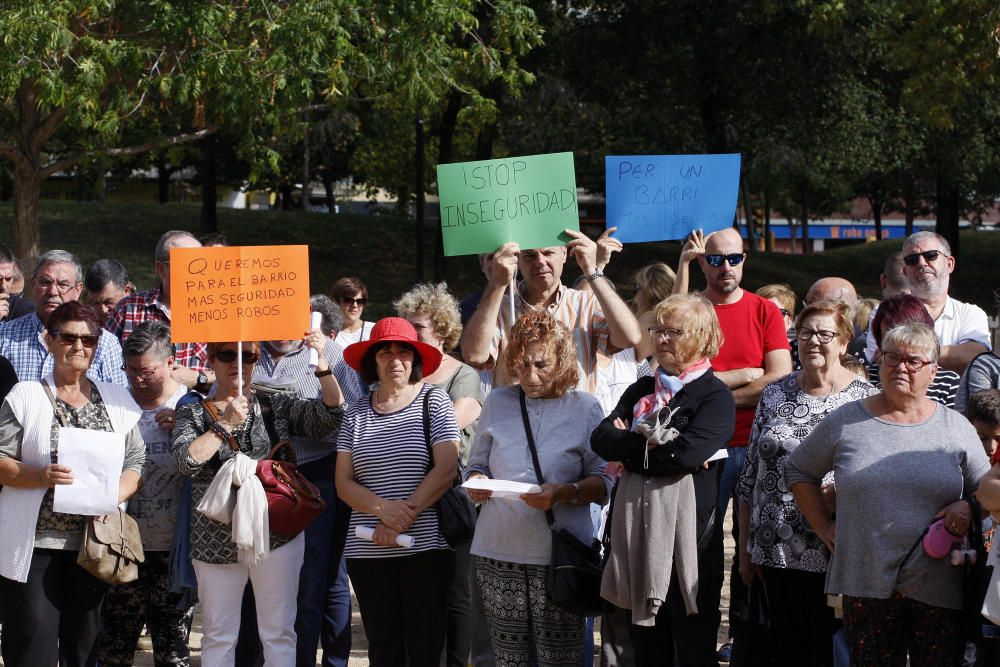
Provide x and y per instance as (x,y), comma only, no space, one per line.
(229,356)
(734,259)
(69,339)
(347,301)
(929,257)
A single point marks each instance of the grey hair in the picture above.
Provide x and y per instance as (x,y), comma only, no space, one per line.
(58,257)
(150,336)
(917,237)
(913,334)
(333,319)
(163,246)
(105,271)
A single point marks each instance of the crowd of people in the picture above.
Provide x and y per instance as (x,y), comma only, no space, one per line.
(854,436)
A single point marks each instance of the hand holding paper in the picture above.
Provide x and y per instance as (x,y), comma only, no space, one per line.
(315,319)
(96,459)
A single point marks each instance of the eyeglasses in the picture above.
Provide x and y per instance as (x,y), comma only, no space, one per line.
(145,374)
(656,333)
(229,356)
(69,339)
(913,364)
(929,257)
(734,259)
(347,301)
(61,286)
(805,335)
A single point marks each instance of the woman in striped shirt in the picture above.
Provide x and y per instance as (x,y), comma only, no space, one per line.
(387,473)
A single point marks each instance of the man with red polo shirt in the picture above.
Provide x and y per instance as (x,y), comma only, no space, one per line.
(754,353)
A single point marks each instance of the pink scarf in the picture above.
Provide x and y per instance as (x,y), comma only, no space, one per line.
(666,386)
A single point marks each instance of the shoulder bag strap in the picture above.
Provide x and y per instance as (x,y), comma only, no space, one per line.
(213,415)
(549,516)
(427,429)
(60,417)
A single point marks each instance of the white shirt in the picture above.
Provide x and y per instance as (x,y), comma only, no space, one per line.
(345,338)
(958,323)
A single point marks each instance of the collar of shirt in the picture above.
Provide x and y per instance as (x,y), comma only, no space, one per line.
(550,309)
(948,312)
(271,361)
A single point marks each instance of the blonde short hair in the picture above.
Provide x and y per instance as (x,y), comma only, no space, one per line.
(781,293)
(863,312)
(437,303)
(537,327)
(913,334)
(702,334)
(656,280)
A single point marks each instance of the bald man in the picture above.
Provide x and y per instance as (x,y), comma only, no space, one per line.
(833,289)
(892,280)
(755,352)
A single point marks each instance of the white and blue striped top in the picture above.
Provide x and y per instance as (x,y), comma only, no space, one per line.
(391,459)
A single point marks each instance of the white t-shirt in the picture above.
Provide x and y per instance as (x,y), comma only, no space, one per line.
(617,377)
(154,506)
(958,323)
(345,338)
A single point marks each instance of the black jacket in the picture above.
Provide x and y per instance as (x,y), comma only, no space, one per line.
(706,419)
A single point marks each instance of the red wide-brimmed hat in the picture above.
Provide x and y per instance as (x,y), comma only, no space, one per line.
(394,329)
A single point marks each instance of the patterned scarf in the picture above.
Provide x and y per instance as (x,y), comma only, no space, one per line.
(666,386)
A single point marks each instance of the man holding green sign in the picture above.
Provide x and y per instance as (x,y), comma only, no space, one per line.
(598,320)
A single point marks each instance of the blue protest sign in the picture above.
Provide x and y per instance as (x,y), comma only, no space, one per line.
(661,197)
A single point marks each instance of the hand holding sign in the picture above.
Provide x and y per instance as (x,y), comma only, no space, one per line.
(584,251)
(607,245)
(694,247)
(504,266)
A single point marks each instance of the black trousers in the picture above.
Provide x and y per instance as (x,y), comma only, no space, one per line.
(802,623)
(690,640)
(53,617)
(459,642)
(404,606)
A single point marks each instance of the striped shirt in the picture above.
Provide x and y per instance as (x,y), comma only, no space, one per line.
(391,459)
(580,312)
(942,390)
(293,368)
(22,342)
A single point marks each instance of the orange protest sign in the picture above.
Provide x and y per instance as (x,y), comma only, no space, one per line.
(239,293)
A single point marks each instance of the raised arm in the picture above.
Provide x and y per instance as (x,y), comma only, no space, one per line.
(479,332)
(693,248)
(622,325)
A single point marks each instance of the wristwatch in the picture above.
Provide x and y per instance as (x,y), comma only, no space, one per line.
(320,374)
(576,494)
(591,277)
(201,384)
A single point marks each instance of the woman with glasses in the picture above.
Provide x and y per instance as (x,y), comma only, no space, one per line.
(777,545)
(351,295)
(903,462)
(230,423)
(149,357)
(52,606)
(897,310)
(663,431)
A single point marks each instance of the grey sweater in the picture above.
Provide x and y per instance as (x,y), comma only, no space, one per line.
(891,481)
(508,529)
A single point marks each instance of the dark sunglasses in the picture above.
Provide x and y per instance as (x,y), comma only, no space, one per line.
(347,301)
(929,256)
(69,339)
(229,356)
(716,260)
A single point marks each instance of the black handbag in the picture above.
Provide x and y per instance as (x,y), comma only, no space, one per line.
(455,511)
(575,569)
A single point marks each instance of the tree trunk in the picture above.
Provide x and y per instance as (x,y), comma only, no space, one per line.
(286,196)
(806,248)
(209,217)
(909,205)
(748,217)
(768,238)
(162,178)
(876,205)
(27,188)
(947,213)
(419,183)
(484,141)
(306,190)
(446,140)
(331,197)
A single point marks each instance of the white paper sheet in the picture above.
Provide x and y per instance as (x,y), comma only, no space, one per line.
(719,454)
(96,459)
(368,534)
(502,488)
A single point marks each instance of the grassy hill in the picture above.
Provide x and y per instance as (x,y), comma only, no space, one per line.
(381,250)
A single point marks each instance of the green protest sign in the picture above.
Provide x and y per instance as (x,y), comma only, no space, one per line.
(529,200)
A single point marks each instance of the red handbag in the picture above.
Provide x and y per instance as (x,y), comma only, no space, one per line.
(293,502)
